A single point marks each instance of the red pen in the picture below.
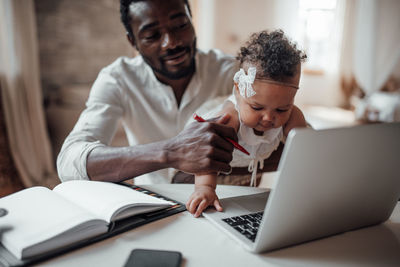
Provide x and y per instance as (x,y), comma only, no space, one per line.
(235,144)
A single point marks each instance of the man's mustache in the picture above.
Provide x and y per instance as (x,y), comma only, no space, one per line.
(172,52)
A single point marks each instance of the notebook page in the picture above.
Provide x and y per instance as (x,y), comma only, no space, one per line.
(37,214)
(105,199)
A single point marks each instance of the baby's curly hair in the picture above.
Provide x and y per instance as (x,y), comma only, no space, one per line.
(274,53)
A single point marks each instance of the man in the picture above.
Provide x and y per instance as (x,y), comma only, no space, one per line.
(154,95)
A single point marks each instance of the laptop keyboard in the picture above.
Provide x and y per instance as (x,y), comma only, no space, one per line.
(247,224)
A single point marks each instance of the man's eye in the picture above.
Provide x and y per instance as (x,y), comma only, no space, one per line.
(181,26)
(256,108)
(153,36)
(181,23)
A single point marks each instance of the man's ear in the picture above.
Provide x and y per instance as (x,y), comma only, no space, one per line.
(131,40)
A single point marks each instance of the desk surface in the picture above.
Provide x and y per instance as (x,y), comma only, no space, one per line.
(202,244)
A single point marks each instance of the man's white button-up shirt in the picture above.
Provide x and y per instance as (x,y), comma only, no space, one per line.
(128,90)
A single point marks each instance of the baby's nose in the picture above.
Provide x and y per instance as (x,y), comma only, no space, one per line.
(268,116)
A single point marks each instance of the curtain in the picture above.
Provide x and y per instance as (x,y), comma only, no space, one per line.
(10,181)
(347,9)
(22,94)
(377,42)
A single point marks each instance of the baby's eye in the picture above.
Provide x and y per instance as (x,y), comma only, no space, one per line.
(182,25)
(256,108)
(281,110)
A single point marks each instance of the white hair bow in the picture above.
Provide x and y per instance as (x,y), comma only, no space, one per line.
(245,81)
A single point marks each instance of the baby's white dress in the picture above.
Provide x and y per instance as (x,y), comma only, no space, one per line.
(259,147)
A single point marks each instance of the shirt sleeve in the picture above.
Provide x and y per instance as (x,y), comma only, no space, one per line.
(95,127)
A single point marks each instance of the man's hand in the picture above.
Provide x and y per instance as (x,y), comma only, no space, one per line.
(201,148)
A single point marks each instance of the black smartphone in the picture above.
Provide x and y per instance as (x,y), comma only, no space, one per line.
(153,258)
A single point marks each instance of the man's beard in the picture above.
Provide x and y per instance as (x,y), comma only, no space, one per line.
(184,72)
(176,75)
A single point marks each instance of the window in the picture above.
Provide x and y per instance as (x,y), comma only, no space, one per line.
(317,34)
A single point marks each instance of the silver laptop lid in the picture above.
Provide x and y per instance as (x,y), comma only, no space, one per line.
(332,181)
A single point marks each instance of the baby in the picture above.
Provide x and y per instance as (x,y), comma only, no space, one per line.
(261,108)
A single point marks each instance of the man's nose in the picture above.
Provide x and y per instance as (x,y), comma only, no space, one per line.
(168,41)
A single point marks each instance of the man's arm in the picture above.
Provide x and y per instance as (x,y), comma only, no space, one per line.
(86,153)
(200,149)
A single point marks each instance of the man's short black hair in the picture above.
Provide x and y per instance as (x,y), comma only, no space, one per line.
(126,18)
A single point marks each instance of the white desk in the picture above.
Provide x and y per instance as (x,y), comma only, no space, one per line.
(202,244)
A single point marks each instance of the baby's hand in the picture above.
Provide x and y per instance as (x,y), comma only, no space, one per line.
(202,197)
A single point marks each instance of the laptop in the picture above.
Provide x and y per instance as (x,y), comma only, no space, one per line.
(328,182)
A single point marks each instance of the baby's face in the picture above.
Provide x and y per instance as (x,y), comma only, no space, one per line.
(269,108)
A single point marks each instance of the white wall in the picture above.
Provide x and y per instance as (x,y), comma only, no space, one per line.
(322,90)
(227,24)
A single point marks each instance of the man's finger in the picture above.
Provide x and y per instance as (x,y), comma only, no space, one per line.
(224,119)
(221,155)
(218,141)
(225,131)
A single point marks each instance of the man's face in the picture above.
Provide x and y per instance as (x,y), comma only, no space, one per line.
(164,36)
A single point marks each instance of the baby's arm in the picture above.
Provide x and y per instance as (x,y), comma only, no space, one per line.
(204,195)
(229,108)
(296,120)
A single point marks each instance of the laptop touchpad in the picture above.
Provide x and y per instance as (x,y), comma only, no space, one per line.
(252,203)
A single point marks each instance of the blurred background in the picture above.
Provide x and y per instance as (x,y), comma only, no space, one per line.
(51,52)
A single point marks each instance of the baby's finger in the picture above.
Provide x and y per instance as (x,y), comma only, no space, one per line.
(203,205)
(188,204)
(193,205)
(189,201)
(218,205)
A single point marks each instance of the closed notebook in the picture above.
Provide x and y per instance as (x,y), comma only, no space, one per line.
(40,220)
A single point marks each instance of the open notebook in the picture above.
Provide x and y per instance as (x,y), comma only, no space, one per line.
(43,222)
